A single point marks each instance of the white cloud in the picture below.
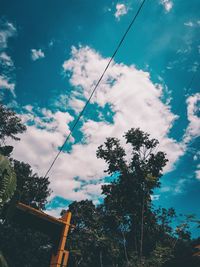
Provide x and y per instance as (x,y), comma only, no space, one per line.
(196,156)
(5,84)
(121,10)
(76,104)
(6,60)
(132,96)
(51,43)
(197,172)
(179,187)
(37,54)
(7,30)
(155,197)
(165,189)
(55,212)
(189,24)
(193,129)
(135,102)
(192,23)
(168,4)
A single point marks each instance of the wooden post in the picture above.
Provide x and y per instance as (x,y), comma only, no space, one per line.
(60,259)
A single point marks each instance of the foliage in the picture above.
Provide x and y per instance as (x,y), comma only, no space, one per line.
(10,124)
(7,181)
(21,246)
(3,262)
(34,249)
(126,230)
(32,189)
(90,245)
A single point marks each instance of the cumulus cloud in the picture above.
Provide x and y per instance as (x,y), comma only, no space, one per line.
(180,185)
(133,99)
(37,54)
(189,24)
(168,4)
(121,10)
(155,197)
(55,212)
(193,129)
(5,60)
(39,145)
(7,30)
(76,104)
(197,172)
(192,23)
(6,84)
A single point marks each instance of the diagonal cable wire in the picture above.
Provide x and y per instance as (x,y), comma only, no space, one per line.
(95,87)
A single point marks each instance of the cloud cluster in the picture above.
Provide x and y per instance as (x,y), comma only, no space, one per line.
(121,10)
(168,4)
(7,31)
(37,54)
(6,84)
(193,108)
(133,99)
(197,172)
(192,23)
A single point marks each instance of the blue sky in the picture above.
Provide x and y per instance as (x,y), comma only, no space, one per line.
(53,52)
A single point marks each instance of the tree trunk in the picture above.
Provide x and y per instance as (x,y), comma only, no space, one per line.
(124,245)
(100,258)
(136,241)
(142,230)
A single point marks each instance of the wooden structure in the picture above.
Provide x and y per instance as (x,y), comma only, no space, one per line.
(60,258)
(56,229)
(197,253)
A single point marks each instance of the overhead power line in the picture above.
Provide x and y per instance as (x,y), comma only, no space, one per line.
(97,84)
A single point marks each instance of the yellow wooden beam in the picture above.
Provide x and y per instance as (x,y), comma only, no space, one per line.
(60,259)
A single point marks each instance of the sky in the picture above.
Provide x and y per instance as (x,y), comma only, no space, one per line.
(51,55)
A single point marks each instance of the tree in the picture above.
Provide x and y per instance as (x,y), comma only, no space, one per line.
(89,244)
(10,124)
(20,245)
(7,188)
(126,230)
(32,189)
(139,172)
(10,127)
(35,247)
(7,181)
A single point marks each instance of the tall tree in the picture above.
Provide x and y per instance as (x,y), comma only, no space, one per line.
(139,172)
(126,230)
(90,245)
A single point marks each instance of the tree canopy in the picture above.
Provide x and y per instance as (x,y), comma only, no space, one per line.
(7,181)
(124,230)
(20,245)
(10,125)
